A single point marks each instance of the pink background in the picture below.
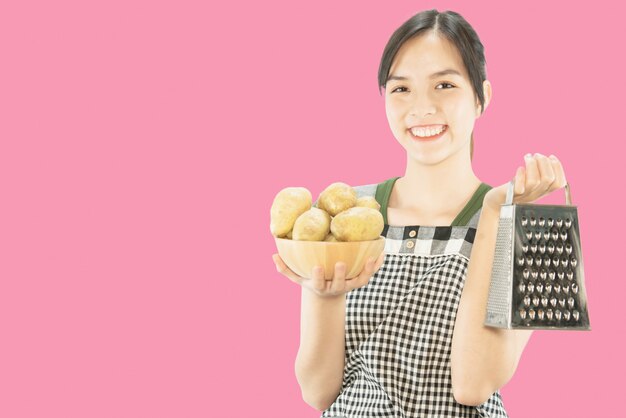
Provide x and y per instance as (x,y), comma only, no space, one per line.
(142,144)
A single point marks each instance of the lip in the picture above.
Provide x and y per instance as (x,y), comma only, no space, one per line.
(428,126)
(430,138)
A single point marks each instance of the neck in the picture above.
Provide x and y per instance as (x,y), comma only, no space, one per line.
(432,187)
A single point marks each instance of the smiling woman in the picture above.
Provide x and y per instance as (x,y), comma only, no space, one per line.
(398,350)
(386,347)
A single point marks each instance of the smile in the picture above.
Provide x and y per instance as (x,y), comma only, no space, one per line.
(429,137)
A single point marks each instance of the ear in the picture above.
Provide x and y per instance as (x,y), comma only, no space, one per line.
(487,93)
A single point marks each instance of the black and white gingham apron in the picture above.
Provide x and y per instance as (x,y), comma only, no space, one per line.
(399,326)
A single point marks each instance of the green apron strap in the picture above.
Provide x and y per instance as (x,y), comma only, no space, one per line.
(383,191)
(474,204)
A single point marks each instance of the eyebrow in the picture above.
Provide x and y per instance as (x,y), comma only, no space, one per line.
(433,75)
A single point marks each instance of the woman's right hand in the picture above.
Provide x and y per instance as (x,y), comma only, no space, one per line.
(338,285)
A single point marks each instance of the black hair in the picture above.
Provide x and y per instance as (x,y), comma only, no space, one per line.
(457,30)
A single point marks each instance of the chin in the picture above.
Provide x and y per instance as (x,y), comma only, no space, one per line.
(428,159)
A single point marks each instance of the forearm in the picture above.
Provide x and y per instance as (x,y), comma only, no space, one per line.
(483,358)
(320,360)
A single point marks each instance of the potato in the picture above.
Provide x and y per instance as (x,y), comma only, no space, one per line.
(290,234)
(368,202)
(330,238)
(312,225)
(288,204)
(357,224)
(336,198)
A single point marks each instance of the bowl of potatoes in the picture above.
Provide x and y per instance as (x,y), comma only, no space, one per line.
(339,226)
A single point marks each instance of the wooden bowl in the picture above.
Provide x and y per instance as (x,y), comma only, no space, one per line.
(302,256)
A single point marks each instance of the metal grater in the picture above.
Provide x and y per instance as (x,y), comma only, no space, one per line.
(537,278)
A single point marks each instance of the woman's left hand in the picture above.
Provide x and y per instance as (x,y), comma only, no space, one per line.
(541,176)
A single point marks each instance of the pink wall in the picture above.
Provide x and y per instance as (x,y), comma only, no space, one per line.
(142,144)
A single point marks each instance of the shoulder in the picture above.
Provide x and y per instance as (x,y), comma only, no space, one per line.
(379,190)
(480,195)
(366,189)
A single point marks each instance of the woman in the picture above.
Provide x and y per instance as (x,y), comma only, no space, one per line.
(406,337)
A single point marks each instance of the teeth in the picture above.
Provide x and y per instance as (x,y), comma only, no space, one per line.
(426,132)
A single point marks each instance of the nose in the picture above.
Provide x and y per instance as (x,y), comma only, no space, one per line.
(422,105)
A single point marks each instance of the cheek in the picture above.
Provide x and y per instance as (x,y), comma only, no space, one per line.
(392,116)
(394,109)
(463,116)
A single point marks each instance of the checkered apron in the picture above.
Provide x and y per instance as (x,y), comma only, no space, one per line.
(399,327)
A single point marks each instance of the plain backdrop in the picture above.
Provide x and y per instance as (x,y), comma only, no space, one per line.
(143,142)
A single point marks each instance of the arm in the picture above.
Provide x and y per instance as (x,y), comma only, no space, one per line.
(483,358)
(321,356)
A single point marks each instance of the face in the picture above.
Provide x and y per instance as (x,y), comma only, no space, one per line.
(420,97)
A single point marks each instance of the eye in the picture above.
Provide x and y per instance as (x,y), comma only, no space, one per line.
(397,89)
(440,84)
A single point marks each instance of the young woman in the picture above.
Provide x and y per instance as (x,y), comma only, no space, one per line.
(406,337)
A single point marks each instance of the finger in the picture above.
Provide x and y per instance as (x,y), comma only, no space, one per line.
(532,174)
(520,177)
(372,266)
(318,281)
(339,279)
(546,173)
(361,280)
(368,271)
(560,181)
(380,261)
(282,268)
(368,268)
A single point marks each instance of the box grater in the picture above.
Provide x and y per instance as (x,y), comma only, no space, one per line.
(537,277)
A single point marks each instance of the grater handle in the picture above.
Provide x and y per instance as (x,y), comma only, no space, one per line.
(509,194)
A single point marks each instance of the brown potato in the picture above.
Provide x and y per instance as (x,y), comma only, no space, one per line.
(357,224)
(368,202)
(312,225)
(336,198)
(288,205)
(330,238)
